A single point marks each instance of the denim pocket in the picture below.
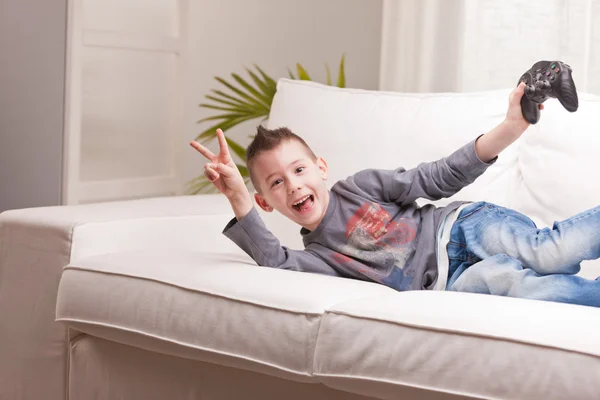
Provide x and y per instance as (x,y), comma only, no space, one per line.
(456,251)
(472,209)
(512,214)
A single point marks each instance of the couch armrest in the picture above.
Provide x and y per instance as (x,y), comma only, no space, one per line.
(35,245)
(87,230)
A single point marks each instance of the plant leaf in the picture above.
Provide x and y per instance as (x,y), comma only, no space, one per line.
(302,74)
(227,117)
(243,170)
(328,74)
(234,114)
(252,90)
(270,82)
(201,186)
(250,99)
(223,101)
(342,76)
(210,133)
(268,91)
(195,180)
(235,100)
(291,74)
(237,149)
(236,109)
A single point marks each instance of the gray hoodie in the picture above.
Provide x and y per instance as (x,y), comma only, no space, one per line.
(373,229)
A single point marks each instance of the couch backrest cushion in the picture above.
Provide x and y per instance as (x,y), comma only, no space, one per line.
(356,129)
(548,174)
(559,164)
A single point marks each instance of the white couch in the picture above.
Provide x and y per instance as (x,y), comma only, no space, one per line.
(151,301)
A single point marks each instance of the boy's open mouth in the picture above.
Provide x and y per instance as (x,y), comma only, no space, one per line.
(304,204)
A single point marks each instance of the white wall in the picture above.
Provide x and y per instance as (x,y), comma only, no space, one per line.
(126,96)
(473,45)
(32,61)
(226,35)
(124,99)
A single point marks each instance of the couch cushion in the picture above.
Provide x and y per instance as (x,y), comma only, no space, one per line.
(466,344)
(558,166)
(214,307)
(355,129)
(546,174)
(558,162)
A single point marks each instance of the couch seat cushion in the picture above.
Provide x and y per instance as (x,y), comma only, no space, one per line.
(466,344)
(215,307)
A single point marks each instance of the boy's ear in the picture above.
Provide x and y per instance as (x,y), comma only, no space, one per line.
(262,202)
(322,164)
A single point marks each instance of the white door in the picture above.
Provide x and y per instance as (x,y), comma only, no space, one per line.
(125,65)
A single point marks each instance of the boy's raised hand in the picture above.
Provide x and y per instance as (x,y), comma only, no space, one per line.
(221,170)
(514,115)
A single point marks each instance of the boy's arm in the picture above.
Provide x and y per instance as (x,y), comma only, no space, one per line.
(430,180)
(225,175)
(247,229)
(492,143)
(252,236)
(445,177)
(241,206)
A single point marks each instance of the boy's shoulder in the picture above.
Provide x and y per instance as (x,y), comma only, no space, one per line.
(370,180)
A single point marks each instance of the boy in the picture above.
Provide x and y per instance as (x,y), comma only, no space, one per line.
(369,227)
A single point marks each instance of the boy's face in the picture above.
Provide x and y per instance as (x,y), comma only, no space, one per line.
(292,183)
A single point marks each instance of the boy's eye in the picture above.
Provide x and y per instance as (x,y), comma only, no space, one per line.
(275,182)
(299,169)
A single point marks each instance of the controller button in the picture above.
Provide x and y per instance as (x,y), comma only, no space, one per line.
(552,66)
(547,73)
(551,77)
(556,69)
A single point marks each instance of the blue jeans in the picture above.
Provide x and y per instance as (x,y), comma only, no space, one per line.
(498,251)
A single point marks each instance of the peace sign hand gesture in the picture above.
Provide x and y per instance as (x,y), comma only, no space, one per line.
(222,171)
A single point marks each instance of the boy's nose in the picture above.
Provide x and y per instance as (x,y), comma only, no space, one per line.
(293,186)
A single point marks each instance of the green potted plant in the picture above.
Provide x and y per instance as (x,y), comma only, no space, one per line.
(242,102)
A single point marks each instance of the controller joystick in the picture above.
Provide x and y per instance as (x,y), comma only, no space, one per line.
(547,79)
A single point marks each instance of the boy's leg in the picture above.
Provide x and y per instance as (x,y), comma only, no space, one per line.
(495,230)
(505,276)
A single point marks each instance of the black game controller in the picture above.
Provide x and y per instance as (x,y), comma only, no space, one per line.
(547,79)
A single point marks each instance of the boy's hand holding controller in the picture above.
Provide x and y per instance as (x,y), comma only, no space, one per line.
(492,143)
(224,174)
(514,115)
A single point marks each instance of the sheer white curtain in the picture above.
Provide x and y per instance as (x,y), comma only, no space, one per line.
(468,45)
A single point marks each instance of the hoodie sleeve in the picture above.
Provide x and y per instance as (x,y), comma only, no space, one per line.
(252,236)
(430,180)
